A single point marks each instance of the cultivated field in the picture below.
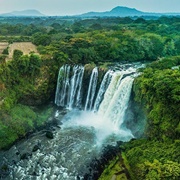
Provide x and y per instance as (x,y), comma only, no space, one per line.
(25,47)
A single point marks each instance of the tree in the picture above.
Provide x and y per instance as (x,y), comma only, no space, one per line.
(41,39)
(34,64)
(17,54)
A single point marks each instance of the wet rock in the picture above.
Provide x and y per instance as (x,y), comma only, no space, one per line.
(34,173)
(64,112)
(59,126)
(25,156)
(13,162)
(17,153)
(49,135)
(35,148)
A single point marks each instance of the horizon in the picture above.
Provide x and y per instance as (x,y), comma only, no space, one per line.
(61,8)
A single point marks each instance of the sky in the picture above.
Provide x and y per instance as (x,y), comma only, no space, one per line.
(73,7)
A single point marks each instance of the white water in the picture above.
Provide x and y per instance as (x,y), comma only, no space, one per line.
(105,130)
(104,85)
(112,100)
(83,133)
(62,85)
(110,104)
(119,102)
(75,87)
(109,92)
(91,89)
(68,91)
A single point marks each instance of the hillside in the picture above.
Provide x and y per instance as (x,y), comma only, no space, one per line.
(121,11)
(30,12)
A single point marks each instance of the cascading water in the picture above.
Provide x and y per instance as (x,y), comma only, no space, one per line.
(119,102)
(91,89)
(109,92)
(104,85)
(68,91)
(62,85)
(74,96)
(83,133)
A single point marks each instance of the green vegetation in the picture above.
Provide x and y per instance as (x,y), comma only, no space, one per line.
(157,89)
(98,39)
(114,170)
(153,159)
(21,119)
(30,80)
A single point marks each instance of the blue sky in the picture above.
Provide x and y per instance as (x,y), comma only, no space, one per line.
(72,7)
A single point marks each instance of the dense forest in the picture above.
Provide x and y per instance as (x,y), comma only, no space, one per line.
(29,81)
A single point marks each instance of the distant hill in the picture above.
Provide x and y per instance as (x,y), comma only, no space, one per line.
(118,11)
(121,11)
(31,12)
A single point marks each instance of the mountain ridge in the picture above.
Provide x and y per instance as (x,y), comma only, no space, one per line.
(118,11)
(122,11)
(29,12)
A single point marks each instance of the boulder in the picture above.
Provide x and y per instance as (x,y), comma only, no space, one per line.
(35,148)
(49,135)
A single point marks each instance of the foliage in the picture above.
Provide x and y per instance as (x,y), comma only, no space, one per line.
(97,39)
(153,159)
(20,120)
(31,79)
(17,54)
(158,91)
(2,59)
(158,88)
(5,51)
(114,168)
(41,39)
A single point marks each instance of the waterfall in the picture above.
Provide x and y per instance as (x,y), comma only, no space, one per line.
(83,133)
(91,89)
(74,95)
(79,93)
(103,87)
(68,91)
(62,85)
(119,102)
(112,97)
(109,92)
